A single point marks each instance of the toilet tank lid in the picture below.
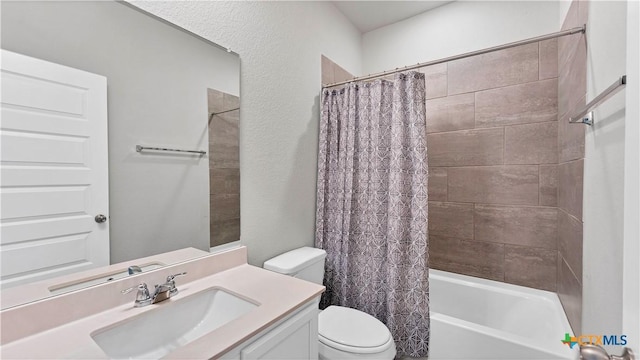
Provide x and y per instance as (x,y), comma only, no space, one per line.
(293,261)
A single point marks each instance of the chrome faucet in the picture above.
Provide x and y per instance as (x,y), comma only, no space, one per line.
(161,293)
(171,283)
(134,269)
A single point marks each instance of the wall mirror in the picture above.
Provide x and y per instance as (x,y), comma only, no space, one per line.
(166,89)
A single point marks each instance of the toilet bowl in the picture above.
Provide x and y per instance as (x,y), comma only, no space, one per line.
(346,333)
(343,333)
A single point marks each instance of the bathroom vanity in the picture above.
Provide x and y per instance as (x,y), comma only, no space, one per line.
(294,337)
(225,308)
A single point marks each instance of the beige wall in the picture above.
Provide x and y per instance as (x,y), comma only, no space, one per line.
(280,43)
(456,28)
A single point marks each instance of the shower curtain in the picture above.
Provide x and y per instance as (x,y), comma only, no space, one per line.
(372,204)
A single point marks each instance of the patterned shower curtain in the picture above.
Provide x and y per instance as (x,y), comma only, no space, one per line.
(372,204)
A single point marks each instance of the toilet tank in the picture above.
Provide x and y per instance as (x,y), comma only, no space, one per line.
(305,263)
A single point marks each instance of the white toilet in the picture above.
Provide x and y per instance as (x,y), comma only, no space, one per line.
(343,333)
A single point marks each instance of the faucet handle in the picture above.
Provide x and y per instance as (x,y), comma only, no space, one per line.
(172,283)
(171,277)
(142,297)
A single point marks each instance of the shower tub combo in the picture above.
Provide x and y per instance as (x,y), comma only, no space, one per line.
(473,318)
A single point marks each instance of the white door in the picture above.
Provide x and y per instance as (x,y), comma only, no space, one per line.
(53,170)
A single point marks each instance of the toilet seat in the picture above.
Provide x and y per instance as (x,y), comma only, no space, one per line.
(352,331)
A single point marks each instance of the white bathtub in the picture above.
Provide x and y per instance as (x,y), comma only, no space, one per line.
(473,318)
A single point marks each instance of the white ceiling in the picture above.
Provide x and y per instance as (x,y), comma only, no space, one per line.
(370,15)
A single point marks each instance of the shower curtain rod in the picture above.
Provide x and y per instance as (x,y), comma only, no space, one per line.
(226,111)
(572,31)
(211,115)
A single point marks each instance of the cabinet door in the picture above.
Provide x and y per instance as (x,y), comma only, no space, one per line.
(295,338)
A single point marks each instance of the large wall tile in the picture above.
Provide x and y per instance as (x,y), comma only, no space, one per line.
(437,186)
(548,185)
(566,51)
(225,207)
(341,74)
(548,59)
(224,145)
(572,82)
(517,225)
(532,267)
(570,140)
(332,72)
(511,184)
(326,70)
(570,294)
(224,172)
(466,147)
(450,113)
(215,100)
(571,18)
(231,102)
(435,79)
(224,181)
(224,231)
(570,241)
(531,143)
(583,12)
(576,17)
(451,220)
(564,42)
(572,78)
(224,156)
(518,104)
(467,257)
(570,180)
(496,69)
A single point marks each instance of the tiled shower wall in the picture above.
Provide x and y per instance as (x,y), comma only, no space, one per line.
(572,89)
(332,72)
(224,168)
(492,147)
(506,168)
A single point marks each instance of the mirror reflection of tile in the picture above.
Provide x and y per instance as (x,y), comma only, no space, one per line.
(224,167)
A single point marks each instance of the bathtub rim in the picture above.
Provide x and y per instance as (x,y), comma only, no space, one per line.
(509,289)
(493,285)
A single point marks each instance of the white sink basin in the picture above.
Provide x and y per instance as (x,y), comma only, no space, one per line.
(172,324)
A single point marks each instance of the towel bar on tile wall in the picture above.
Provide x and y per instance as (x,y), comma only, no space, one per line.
(585,116)
(140,148)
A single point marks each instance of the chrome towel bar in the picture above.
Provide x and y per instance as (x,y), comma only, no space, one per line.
(585,115)
(140,148)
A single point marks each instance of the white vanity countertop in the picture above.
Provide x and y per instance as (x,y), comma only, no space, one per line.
(277,296)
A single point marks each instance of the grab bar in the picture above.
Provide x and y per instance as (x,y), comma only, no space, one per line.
(140,148)
(585,116)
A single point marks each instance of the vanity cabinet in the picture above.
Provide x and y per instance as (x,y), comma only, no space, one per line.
(294,337)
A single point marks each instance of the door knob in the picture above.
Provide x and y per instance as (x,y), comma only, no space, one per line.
(100,218)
